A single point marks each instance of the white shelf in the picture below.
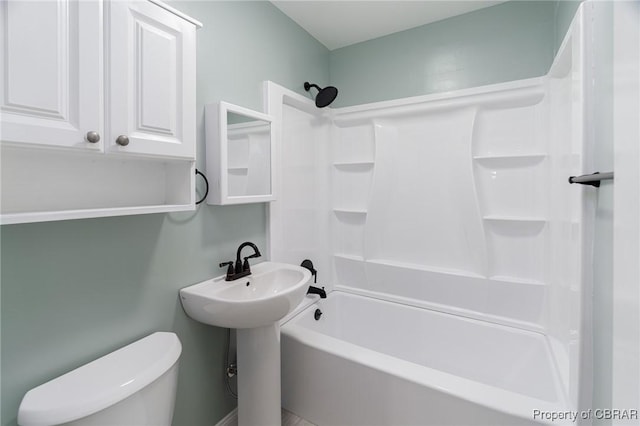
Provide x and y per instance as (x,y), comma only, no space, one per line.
(62,185)
(48,216)
(515,218)
(425,268)
(516,280)
(528,158)
(354,164)
(349,257)
(350,211)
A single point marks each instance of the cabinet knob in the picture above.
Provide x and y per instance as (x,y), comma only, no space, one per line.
(93,137)
(122,140)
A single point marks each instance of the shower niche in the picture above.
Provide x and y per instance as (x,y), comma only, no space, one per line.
(240,155)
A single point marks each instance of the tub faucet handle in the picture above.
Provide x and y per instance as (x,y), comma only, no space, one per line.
(309,265)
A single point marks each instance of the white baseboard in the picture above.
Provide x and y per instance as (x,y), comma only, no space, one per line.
(230,419)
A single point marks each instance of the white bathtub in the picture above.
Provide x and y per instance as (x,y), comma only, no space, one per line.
(373,362)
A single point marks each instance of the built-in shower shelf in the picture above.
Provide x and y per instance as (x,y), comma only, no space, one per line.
(517,280)
(529,219)
(425,268)
(353,164)
(349,257)
(350,211)
(510,160)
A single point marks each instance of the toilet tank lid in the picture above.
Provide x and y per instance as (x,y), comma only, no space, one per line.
(101,383)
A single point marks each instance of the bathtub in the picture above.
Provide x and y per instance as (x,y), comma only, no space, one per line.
(373,362)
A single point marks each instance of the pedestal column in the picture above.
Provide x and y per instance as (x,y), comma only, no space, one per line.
(259,376)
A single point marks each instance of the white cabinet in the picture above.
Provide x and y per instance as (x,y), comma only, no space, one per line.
(240,155)
(113,83)
(151,80)
(51,73)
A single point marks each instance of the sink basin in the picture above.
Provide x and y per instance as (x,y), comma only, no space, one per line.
(260,299)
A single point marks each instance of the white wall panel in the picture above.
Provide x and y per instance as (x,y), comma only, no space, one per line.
(457,202)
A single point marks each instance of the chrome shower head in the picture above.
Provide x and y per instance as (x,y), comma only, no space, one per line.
(325,96)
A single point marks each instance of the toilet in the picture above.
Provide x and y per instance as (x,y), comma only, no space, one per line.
(135,385)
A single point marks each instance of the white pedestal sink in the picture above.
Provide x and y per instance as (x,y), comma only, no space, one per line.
(253,305)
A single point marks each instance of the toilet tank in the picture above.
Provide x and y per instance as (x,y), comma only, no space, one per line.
(135,385)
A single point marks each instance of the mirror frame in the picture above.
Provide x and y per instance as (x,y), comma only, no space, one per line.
(217,154)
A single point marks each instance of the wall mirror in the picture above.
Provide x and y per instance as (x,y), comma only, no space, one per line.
(240,157)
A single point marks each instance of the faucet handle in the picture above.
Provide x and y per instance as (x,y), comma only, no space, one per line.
(230,270)
(309,265)
(245,264)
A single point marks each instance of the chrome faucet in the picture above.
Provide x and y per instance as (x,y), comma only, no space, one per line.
(241,269)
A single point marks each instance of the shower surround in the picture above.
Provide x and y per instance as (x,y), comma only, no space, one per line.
(455,203)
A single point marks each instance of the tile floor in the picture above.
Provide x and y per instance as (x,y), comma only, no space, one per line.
(290,419)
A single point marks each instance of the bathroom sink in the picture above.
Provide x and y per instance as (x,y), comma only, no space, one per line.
(260,299)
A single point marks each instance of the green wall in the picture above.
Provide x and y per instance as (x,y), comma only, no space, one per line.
(510,41)
(564,12)
(76,290)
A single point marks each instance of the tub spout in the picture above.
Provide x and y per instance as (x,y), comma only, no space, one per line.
(318,291)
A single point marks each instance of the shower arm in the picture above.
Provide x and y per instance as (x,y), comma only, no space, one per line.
(308,86)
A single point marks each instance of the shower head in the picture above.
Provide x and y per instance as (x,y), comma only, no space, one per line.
(325,96)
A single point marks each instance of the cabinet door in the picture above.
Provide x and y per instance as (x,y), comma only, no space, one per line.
(151,80)
(51,73)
